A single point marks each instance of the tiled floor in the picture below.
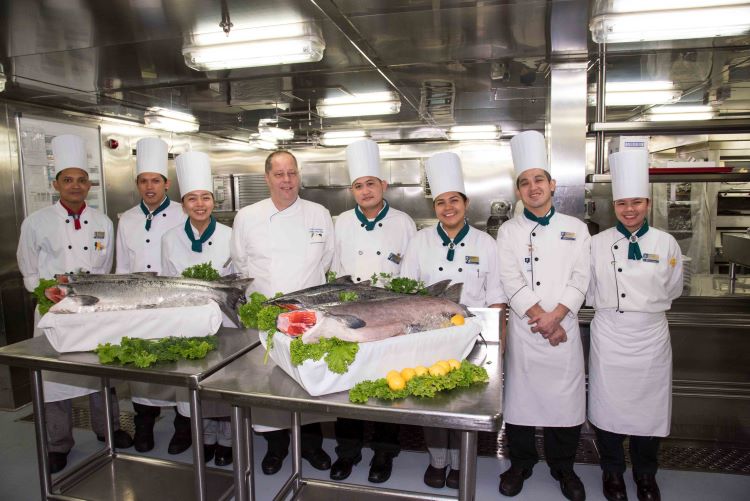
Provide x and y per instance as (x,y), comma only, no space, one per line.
(19,478)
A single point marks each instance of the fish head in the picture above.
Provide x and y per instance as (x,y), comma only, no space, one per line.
(56,293)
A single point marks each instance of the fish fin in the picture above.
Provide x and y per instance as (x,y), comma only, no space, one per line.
(85,300)
(346,279)
(350,321)
(234,298)
(229,278)
(438,288)
(453,293)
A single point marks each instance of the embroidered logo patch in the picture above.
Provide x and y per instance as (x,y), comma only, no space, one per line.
(99,235)
(672,262)
(316,235)
(472,259)
(651,258)
(98,246)
(567,235)
(394,258)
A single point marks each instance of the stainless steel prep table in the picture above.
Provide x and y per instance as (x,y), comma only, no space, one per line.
(247,382)
(106,474)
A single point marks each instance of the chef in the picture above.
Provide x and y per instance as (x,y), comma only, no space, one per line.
(545,273)
(459,252)
(200,239)
(139,235)
(285,244)
(68,237)
(370,239)
(636,273)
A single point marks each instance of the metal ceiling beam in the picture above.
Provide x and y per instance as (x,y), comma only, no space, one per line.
(677,127)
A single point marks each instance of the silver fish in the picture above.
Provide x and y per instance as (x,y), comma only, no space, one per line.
(140,291)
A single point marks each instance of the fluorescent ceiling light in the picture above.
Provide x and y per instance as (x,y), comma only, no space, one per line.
(269,131)
(373,103)
(681,112)
(170,120)
(635,93)
(341,137)
(263,143)
(647,24)
(262,46)
(473,132)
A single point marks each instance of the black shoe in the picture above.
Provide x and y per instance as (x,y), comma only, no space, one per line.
(613,486)
(57,461)
(648,489)
(451,480)
(180,442)
(380,468)
(272,462)
(570,485)
(122,439)
(143,440)
(208,452)
(223,455)
(435,477)
(318,459)
(511,481)
(342,468)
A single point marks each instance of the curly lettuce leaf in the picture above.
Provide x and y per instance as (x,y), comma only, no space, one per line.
(43,301)
(338,354)
(203,271)
(147,352)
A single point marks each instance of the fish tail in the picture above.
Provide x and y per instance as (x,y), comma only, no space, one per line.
(233,299)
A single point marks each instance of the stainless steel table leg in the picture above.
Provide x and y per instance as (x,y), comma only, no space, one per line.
(109,430)
(732,277)
(239,441)
(196,428)
(40,427)
(467,481)
(250,473)
(297,449)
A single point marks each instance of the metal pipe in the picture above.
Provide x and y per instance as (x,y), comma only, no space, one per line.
(601,109)
(249,473)
(196,430)
(109,428)
(468,476)
(40,427)
(297,448)
(288,485)
(732,277)
(239,443)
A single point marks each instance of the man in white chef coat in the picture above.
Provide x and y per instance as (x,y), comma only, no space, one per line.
(545,274)
(370,239)
(285,244)
(139,235)
(68,237)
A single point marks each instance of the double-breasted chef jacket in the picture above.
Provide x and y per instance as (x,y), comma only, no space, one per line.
(360,253)
(630,363)
(549,265)
(50,245)
(475,264)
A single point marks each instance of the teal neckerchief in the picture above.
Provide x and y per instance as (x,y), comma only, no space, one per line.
(451,244)
(370,225)
(197,245)
(634,250)
(544,220)
(150,215)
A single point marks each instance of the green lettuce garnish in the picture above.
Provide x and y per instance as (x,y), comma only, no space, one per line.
(338,354)
(146,352)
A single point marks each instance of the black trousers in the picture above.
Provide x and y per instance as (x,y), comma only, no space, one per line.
(278,440)
(560,444)
(350,437)
(643,452)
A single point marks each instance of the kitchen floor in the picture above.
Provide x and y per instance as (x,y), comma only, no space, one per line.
(19,477)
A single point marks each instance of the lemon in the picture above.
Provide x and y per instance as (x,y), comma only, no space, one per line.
(408,373)
(458,319)
(437,370)
(455,364)
(396,383)
(392,374)
(445,365)
(420,370)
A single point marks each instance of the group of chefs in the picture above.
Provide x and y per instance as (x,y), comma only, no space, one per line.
(543,266)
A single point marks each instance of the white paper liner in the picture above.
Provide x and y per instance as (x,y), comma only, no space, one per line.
(375,358)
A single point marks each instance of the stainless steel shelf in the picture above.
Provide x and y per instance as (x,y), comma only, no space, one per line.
(676,127)
(730,177)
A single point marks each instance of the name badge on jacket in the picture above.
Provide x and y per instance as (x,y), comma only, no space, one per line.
(99,235)
(472,259)
(567,235)
(650,258)
(316,235)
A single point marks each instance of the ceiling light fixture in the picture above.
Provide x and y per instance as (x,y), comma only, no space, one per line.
(250,47)
(270,131)
(170,120)
(341,137)
(681,112)
(644,21)
(473,132)
(637,93)
(257,141)
(373,103)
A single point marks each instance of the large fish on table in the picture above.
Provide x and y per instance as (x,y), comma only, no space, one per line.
(373,320)
(93,293)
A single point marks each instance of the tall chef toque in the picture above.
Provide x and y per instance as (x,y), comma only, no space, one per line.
(629,170)
(529,150)
(363,159)
(444,174)
(69,151)
(151,156)
(194,172)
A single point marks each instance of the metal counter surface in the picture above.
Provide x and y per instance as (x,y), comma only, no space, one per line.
(248,382)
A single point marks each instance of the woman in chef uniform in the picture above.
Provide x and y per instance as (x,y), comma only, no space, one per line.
(459,252)
(199,240)
(636,273)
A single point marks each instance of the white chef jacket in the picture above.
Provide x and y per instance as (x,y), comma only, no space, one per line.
(630,362)
(475,264)
(283,251)
(548,265)
(360,253)
(50,245)
(177,253)
(140,250)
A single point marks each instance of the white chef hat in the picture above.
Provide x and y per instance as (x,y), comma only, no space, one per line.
(69,151)
(444,174)
(629,170)
(529,150)
(363,159)
(194,172)
(151,156)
